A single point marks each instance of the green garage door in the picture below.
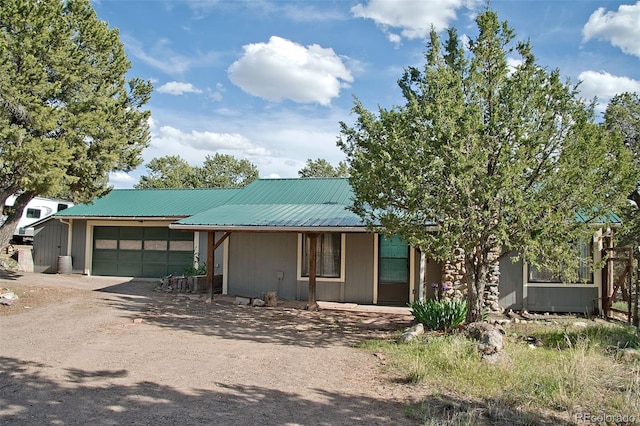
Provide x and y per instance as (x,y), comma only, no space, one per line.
(129,251)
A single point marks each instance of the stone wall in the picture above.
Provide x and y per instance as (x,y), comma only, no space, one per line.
(454,280)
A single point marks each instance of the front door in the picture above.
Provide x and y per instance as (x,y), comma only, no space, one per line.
(393,271)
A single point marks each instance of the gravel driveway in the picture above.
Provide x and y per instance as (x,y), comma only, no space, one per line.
(96,350)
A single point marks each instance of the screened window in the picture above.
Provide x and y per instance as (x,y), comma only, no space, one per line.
(537,275)
(328,256)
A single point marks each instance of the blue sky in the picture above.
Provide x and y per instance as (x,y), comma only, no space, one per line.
(270,80)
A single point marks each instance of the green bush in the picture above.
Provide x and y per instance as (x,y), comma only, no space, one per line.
(440,314)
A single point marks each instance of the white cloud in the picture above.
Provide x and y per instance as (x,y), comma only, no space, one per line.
(121,180)
(206,141)
(605,86)
(282,69)
(415,18)
(621,28)
(394,38)
(514,63)
(178,88)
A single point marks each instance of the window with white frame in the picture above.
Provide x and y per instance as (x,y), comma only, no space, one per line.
(328,256)
(584,273)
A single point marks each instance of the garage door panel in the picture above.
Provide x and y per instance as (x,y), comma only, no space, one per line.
(156,233)
(131,233)
(127,269)
(155,257)
(129,256)
(155,270)
(105,256)
(140,251)
(103,268)
(106,232)
(185,257)
(180,235)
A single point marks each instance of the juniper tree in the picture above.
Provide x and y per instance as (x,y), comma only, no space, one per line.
(497,157)
(68,116)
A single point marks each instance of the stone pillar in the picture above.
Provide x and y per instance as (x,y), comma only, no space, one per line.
(453,276)
(491,290)
(455,285)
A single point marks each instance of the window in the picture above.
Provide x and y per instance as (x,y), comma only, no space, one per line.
(33,213)
(584,274)
(328,256)
(62,207)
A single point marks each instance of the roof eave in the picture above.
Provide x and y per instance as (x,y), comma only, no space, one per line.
(258,228)
(155,218)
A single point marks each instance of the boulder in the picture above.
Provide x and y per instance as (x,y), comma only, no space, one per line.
(412,332)
(489,338)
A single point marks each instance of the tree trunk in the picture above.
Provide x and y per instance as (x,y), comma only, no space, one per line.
(476,282)
(8,227)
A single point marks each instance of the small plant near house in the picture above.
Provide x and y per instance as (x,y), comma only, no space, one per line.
(443,313)
(191,271)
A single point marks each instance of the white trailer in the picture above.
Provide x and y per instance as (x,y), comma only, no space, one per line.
(37,209)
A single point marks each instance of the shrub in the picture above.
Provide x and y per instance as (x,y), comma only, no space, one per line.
(440,314)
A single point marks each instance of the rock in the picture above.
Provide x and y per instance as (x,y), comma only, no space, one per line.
(491,342)
(272,299)
(489,337)
(138,321)
(258,302)
(412,332)
(476,330)
(242,300)
(580,324)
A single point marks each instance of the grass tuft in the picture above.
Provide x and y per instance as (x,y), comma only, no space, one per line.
(573,371)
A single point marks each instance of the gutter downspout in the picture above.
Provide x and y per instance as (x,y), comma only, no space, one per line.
(69,233)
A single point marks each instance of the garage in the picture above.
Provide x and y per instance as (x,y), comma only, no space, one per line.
(141,251)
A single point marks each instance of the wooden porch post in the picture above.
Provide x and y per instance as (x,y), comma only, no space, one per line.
(313,240)
(210,264)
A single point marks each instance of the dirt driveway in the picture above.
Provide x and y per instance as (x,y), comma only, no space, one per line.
(96,350)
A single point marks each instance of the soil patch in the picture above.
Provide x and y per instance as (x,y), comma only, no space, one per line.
(80,350)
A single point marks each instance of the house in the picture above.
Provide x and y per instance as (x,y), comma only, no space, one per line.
(261,236)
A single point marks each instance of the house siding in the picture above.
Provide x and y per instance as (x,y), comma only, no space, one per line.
(49,242)
(511,284)
(255,260)
(562,299)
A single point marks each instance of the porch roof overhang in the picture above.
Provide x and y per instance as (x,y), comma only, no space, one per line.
(321,218)
(293,229)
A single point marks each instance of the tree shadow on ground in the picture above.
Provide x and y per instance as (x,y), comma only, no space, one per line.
(286,324)
(9,274)
(29,397)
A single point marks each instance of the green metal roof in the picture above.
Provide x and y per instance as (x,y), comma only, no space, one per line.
(170,203)
(277,216)
(276,204)
(296,191)
(610,217)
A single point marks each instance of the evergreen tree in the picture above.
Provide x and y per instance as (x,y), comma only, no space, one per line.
(497,158)
(68,117)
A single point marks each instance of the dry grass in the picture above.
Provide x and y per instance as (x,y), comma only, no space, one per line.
(571,372)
